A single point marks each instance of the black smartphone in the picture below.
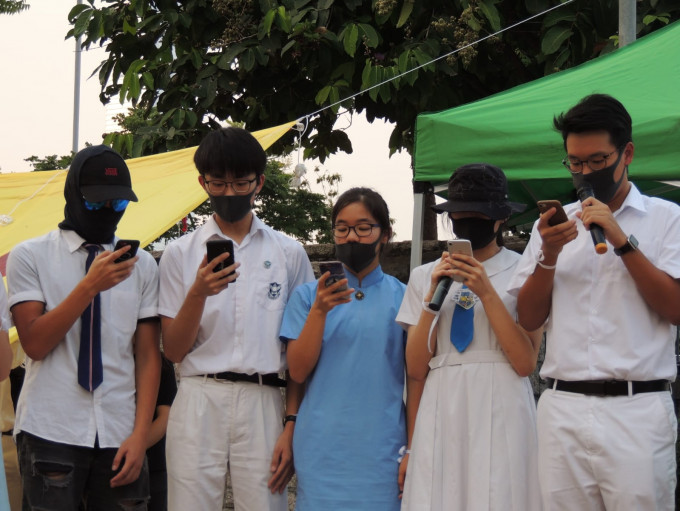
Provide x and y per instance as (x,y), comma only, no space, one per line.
(559,217)
(134,245)
(337,273)
(218,247)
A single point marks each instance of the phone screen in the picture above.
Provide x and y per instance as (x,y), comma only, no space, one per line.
(215,248)
(134,245)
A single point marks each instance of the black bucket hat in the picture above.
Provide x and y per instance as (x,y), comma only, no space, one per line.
(482,188)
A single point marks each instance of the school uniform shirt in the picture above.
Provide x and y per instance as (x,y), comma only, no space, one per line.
(52,405)
(599,325)
(239,329)
(351,423)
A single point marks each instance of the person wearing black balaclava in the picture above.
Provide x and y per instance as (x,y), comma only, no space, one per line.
(90,330)
(221,327)
(476,413)
(607,416)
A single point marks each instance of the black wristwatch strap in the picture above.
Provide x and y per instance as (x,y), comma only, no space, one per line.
(289,418)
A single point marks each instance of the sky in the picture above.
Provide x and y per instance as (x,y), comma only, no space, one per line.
(36,95)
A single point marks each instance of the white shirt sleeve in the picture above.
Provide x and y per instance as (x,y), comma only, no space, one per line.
(5,319)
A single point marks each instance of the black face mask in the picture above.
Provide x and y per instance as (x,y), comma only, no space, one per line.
(231,208)
(356,256)
(93,226)
(480,231)
(602,181)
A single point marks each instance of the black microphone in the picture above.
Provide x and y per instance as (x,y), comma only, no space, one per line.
(596,232)
(440,293)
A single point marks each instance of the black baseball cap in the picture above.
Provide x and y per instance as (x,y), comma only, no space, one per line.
(102,174)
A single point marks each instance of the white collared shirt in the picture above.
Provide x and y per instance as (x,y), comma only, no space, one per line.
(600,326)
(239,328)
(5,321)
(52,405)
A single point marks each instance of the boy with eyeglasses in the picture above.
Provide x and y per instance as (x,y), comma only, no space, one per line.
(606,424)
(90,330)
(223,330)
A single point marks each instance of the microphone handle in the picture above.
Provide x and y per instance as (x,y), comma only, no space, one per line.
(440,293)
(599,240)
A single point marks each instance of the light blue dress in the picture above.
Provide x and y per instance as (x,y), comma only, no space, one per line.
(4,497)
(352,421)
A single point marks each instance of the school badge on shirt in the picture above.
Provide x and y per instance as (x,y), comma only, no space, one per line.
(274,290)
(465,298)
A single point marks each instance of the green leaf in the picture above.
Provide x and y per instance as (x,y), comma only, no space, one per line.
(127,28)
(324,4)
(406,10)
(334,98)
(82,22)
(288,46)
(76,10)
(372,37)
(196,58)
(322,95)
(283,19)
(247,60)
(350,39)
(191,118)
(554,38)
(178,118)
(267,22)
(491,13)
(147,78)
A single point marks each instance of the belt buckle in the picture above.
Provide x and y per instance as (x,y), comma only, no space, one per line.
(612,388)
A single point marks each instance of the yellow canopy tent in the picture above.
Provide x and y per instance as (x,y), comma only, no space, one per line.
(32,203)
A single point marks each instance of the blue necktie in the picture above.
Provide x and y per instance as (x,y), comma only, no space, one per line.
(462,323)
(90,372)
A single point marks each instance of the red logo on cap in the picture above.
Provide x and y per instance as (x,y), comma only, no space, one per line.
(112,171)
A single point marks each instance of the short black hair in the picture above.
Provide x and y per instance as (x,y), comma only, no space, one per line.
(597,112)
(230,150)
(372,201)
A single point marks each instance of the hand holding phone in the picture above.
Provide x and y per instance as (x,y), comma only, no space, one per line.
(337,272)
(559,217)
(215,248)
(134,245)
(459,247)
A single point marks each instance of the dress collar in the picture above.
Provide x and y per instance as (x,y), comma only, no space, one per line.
(369,280)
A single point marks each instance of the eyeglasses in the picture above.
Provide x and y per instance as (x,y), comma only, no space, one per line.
(575,166)
(361,230)
(117,205)
(240,186)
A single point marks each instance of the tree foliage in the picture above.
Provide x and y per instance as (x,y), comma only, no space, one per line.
(13,6)
(189,64)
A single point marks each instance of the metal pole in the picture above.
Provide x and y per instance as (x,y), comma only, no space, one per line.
(627,22)
(76,95)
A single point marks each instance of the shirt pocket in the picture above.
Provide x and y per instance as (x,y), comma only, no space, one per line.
(272,290)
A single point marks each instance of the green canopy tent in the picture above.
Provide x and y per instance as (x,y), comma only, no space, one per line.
(513,129)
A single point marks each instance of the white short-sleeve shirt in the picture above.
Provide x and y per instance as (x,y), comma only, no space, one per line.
(5,320)
(599,325)
(239,329)
(52,405)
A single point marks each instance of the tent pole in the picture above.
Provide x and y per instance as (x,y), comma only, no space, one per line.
(627,22)
(76,95)
(419,189)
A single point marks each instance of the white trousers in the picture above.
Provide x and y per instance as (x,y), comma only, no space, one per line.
(219,426)
(606,453)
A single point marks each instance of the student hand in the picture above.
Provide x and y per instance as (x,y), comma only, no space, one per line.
(132,450)
(595,212)
(442,269)
(556,236)
(209,283)
(282,468)
(473,273)
(104,273)
(328,297)
(403,465)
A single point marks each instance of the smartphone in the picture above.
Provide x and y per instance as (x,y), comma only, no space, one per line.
(337,273)
(559,217)
(459,247)
(134,245)
(215,248)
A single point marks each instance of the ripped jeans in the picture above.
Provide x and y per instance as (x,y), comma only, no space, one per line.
(62,477)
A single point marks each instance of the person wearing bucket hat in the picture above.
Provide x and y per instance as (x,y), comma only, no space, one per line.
(607,414)
(470,361)
(90,330)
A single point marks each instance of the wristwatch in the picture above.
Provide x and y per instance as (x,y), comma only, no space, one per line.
(630,245)
(289,418)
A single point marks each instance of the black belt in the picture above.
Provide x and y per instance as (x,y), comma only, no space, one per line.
(608,387)
(271,379)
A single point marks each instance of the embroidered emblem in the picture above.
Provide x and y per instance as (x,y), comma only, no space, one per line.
(267,264)
(465,298)
(274,290)
(111,171)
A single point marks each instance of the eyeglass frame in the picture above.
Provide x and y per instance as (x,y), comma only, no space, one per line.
(567,163)
(351,228)
(117,205)
(230,184)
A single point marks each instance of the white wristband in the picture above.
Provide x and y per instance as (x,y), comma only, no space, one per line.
(426,308)
(540,257)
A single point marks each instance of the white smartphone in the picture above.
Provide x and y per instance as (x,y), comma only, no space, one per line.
(459,247)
